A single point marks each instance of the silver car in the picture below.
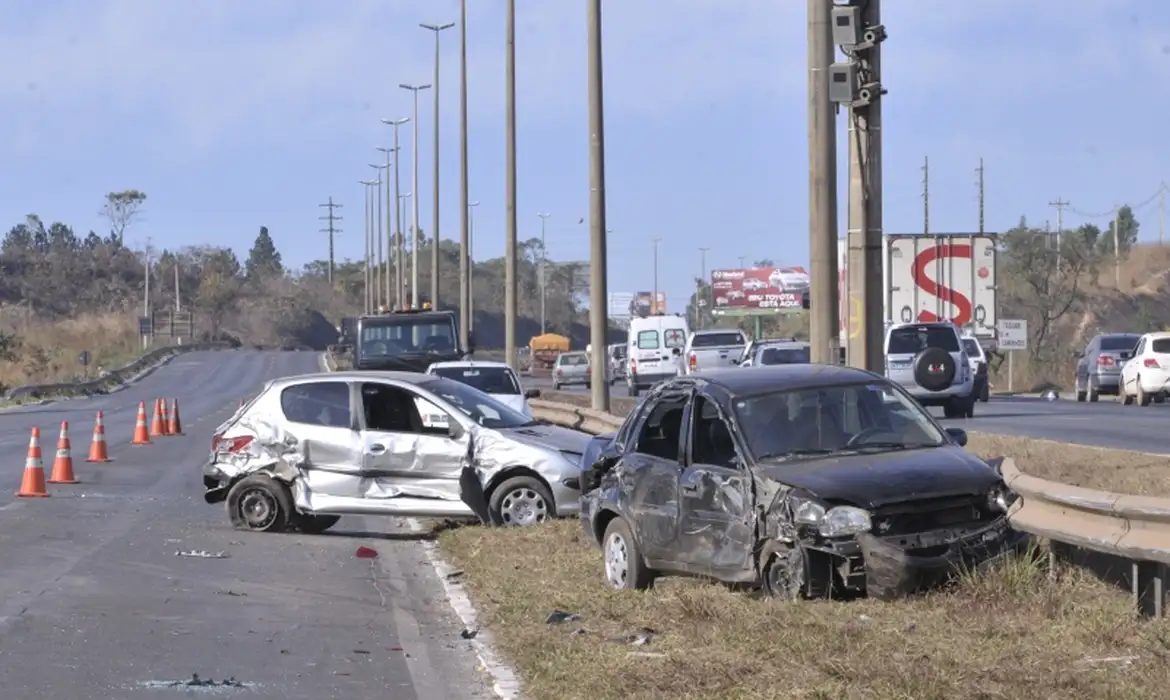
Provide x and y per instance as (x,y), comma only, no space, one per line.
(572,368)
(312,448)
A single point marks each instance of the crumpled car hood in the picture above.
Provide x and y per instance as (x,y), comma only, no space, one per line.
(549,436)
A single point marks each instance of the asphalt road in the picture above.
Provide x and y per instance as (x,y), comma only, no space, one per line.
(96,602)
(1106,423)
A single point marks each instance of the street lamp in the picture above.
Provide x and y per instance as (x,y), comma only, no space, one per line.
(414,202)
(369,242)
(543,260)
(471,263)
(381,257)
(402,199)
(391,251)
(437,29)
(399,250)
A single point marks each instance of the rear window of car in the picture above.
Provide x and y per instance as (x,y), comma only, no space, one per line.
(711,340)
(575,358)
(1160,345)
(972,347)
(675,338)
(1118,342)
(914,339)
(317,403)
(648,340)
(784,356)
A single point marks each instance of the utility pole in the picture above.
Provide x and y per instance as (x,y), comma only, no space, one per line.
(543,276)
(511,287)
(332,230)
(1060,204)
(471,265)
(366,191)
(389,237)
(598,262)
(858,29)
(378,233)
(654,299)
(822,184)
(399,241)
(926,195)
(414,302)
(437,29)
(146,294)
(465,317)
(701,302)
(979,171)
(1162,216)
(402,204)
(1116,248)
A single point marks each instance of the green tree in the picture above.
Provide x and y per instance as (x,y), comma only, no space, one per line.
(120,210)
(263,259)
(1127,233)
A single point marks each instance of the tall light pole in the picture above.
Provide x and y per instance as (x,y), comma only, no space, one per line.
(402,203)
(399,246)
(380,256)
(466,319)
(598,262)
(470,263)
(654,300)
(543,277)
(414,201)
(369,244)
(437,29)
(389,237)
(511,286)
(699,301)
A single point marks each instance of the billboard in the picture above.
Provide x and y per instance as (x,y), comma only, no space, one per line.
(643,304)
(619,304)
(758,289)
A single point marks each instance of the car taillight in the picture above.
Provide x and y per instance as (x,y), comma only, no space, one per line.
(693,360)
(1151,363)
(236,444)
(588,370)
(1104,361)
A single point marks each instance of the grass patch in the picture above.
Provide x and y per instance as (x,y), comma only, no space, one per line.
(1008,633)
(48,352)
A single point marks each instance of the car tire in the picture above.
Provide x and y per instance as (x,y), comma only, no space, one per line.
(259,503)
(556,386)
(985,392)
(1094,391)
(968,410)
(1143,399)
(625,569)
(1079,391)
(785,571)
(315,524)
(521,501)
(1160,398)
(1126,399)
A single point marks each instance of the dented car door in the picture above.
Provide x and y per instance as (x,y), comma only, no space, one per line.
(320,421)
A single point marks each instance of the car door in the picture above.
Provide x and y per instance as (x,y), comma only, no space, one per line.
(1129,371)
(320,421)
(405,454)
(652,458)
(716,516)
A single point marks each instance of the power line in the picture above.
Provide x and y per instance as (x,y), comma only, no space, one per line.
(332,230)
(1110,213)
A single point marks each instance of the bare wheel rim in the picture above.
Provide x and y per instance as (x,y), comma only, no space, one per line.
(258,508)
(617,560)
(523,506)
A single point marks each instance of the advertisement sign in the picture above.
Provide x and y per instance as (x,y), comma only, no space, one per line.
(643,304)
(758,289)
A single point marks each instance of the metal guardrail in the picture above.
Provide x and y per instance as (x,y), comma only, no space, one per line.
(1130,529)
(112,379)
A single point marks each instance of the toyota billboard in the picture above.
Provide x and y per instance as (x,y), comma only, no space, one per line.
(758,289)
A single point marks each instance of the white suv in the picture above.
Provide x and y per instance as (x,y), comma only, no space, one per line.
(928,360)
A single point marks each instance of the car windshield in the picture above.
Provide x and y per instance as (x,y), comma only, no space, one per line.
(711,340)
(480,407)
(1113,343)
(493,380)
(774,355)
(575,358)
(971,346)
(401,335)
(803,423)
(911,340)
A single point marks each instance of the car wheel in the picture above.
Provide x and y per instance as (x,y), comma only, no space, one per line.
(624,566)
(1079,391)
(1143,398)
(985,392)
(950,410)
(1126,399)
(260,503)
(1094,391)
(1160,398)
(968,410)
(556,386)
(315,524)
(785,572)
(520,500)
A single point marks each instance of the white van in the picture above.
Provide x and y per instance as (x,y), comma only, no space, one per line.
(655,350)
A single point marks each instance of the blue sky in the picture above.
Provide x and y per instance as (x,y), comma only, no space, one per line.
(232,115)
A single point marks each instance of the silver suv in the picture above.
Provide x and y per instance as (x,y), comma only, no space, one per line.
(929,361)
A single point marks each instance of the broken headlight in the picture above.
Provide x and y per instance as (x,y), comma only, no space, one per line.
(1000,498)
(837,521)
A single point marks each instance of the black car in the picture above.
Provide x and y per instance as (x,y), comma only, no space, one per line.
(804,479)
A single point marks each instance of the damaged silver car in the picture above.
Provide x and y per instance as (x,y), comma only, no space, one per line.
(312,448)
(806,480)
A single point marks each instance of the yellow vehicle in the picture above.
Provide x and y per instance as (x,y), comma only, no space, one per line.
(545,349)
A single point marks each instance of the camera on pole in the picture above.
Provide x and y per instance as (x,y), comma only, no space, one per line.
(851,83)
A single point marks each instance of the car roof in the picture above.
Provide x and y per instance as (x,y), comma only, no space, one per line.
(355,376)
(468,363)
(920,324)
(1157,335)
(746,381)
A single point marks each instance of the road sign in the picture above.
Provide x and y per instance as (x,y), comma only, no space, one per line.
(145,326)
(84,358)
(1013,334)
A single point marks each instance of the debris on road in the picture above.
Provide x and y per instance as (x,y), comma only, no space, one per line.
(197,683)
(469,633)
(202,554)
(557,617)
(364,552)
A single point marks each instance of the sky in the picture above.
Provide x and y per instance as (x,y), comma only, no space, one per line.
(234,115)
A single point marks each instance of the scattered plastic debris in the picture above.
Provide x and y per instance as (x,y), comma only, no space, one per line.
(197,684)
(638,639)
(452,575)
(469,633)
(557,617)
(202,554)
(231,593)
(1051,395)
(364,552)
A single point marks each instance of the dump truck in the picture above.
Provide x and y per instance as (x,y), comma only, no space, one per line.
(545,349)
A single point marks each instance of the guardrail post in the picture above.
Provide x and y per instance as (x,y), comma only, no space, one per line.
(1149,588)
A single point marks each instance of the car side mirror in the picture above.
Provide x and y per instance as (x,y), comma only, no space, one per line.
(532,394)
(454,430)
(958,436)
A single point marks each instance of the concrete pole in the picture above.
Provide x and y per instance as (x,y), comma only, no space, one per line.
(866,287)
(414,296)
(542,271)
(437,29)
(389,238)
(598,259)
(465,314)
(366,217)
(376,246)
(822,187)
(511,286)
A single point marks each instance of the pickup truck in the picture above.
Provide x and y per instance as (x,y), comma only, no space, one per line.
(714,348)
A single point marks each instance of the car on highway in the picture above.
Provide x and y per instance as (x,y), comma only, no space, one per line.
(572,368)
(1099,365)
(312,448)
(712,348)
(495,378)
(977,358)
(1146,375)
(803,479)
(776,351)
(929,362)
(408,340)
(655,350)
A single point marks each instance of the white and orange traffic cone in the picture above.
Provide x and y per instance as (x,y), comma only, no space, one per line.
(175,427)
(63,464)
(141,436)
(97,446)
(32,484)
(156,421)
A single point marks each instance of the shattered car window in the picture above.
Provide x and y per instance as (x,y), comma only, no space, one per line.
(317,403)
(827,420)
(660,433)
(493,380)
(480,407)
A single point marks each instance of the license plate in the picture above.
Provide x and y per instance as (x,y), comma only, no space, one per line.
(900,365)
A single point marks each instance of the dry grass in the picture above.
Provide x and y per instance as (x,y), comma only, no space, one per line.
(1009,633)
(49,351)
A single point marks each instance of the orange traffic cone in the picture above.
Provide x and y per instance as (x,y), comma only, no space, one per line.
(156,421)
(141,437)
(97,446)
(175,427)
(32,485)
(166,417)
(63,464)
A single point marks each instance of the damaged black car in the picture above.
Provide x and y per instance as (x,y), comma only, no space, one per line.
(806,480)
